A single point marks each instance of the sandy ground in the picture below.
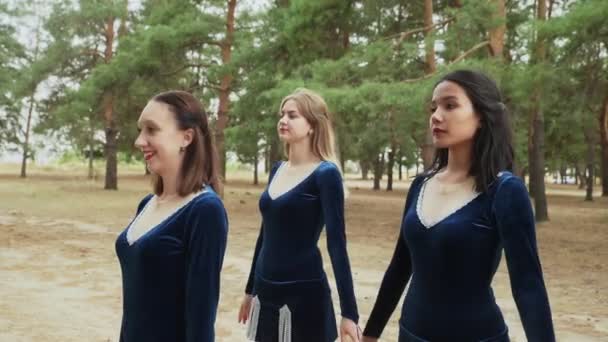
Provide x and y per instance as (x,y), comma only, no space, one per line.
(60,280)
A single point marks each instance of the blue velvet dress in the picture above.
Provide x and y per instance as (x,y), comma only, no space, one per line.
(452,263)
(287,269)
(171,274)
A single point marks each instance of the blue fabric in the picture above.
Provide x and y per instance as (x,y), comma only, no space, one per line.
(452,264)
(312,311)
(171,274)
(286,249)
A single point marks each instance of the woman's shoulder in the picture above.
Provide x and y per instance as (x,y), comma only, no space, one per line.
(143,202)
(327,166)
(327,170)
(208,207)
(208,199)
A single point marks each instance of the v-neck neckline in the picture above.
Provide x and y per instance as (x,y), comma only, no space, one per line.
(162,222)
(293,187)
(453,212)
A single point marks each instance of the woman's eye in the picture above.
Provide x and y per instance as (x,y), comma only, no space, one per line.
(450,106)
(432,109)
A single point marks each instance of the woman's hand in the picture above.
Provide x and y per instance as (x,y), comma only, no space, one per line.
(349,331)
(245,308)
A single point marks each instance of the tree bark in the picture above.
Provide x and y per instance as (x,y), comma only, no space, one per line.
(26,142)
(225,88)
(28,125)
(603,117)
(590,164)
(91,146)
(364,164)
(274,154)
(111,178)
(400,161)
(537,121)
(255,169)
(378,164)
(389,170)
(497,34)
(428,149)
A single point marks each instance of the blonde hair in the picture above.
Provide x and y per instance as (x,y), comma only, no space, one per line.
(314,109)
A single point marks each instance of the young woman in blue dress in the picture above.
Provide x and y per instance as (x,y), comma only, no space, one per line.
(459,217)
(287,295)
(171,253)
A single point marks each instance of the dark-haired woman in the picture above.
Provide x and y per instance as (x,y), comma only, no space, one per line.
(459,216)
(171,253)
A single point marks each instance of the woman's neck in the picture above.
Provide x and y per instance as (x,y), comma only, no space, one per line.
(459,164)
(301,153)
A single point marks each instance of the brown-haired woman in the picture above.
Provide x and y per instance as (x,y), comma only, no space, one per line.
(171,253)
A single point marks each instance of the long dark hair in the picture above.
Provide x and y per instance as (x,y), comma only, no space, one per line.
(493,142)
(200,162)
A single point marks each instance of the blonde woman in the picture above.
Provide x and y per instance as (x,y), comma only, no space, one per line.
(287,295)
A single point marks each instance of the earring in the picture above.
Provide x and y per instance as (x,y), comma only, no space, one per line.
(182,149)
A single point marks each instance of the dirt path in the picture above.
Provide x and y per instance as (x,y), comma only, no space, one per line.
(60,280)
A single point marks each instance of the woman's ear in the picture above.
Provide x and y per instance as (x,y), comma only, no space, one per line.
(188,136)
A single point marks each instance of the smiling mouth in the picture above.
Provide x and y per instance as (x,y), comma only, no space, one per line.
(148,155)
(438,131)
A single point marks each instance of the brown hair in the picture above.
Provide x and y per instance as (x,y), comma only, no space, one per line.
(200,162)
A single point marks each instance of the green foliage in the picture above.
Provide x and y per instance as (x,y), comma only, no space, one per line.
(353,52)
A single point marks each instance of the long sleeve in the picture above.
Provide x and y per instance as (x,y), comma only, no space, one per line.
(258,245)
(206,243)
(332,202)
(259,242)
(515,222)
(395,279)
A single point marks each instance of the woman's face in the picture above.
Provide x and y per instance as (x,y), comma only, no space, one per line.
(160,138)
(292,126)
(453,119)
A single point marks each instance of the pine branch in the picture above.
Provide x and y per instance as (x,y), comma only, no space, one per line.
(456,60)
(403,35)
(186,66)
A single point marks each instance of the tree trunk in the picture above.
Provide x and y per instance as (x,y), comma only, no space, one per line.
(255,169)
(91,174)
(582,179)
(531,167)
(497,34)
(604,146)
(590,165)
(28,125)
(378,164)
(111,179)
(26,142)
(364,164)
(537,121)
(225,88)
(400,160)
(389,170)
(428,149)
(274,154)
